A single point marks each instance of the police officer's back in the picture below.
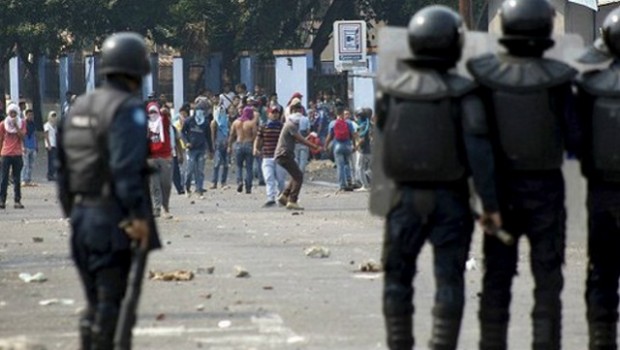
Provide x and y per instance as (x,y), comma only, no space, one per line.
(433,135)
(598,106)
(102,182)
(526,98)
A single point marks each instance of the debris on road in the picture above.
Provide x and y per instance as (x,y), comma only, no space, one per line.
(208,270)
(224,324)
(370,266)
(241,272)
(267,288)
(471,264)
(28,278)
(317,252)
(20,343)
(200,307)
(160,317)
(64,302)
(178,275)
(37,239)
(207,296)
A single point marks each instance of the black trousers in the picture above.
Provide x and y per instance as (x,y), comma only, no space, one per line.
(603,252)
(531,205)
(102,256)
(443,217)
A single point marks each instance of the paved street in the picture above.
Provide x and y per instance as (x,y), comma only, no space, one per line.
(290,301)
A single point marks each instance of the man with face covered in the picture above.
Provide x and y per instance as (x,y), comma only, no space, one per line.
(196,134)
(12,134)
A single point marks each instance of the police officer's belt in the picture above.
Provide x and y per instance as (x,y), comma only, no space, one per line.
(88,199)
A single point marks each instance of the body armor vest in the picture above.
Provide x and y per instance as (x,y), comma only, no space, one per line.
(422,133)
(529,131)
(602,158)
(85,140)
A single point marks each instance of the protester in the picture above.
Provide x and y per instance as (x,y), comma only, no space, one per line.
(50,144)
(30,149)
(265,146)
(242,134)
(12,134)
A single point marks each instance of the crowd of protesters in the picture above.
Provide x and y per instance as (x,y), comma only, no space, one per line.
(265,140)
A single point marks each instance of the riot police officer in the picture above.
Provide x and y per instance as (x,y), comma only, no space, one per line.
(102,177)
(432,133)
(526,97)
(598,102)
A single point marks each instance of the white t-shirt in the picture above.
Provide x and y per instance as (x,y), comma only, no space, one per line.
(51,135)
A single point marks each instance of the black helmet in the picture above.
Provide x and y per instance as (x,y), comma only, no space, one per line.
(436,34)
(530,19)
(611,32)
(124,53)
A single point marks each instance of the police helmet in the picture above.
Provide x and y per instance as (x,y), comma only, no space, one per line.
(611,32)
(528,19)
(436,33)
(124,53)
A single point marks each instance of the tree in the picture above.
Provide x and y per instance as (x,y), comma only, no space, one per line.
(39,33)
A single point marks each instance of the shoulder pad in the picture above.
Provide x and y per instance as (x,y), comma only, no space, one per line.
(517,74)
(604,83)
(421,84)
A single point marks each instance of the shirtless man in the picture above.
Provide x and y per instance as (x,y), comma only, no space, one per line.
(242,134)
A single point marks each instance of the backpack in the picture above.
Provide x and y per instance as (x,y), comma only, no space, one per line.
(341,130)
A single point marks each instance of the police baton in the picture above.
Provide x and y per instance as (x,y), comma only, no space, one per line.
(127,314)
(490,228)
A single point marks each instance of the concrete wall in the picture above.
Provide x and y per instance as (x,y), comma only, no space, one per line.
(364,85)
(292,68)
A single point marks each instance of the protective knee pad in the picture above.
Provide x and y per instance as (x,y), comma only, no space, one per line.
(547,329)
(603,335)
(106,317)
(446,327)
(493,328)
(399,332)
(85,329)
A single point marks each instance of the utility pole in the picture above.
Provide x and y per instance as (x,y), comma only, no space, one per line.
(465,11)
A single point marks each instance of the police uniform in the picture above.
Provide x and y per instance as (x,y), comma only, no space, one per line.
(102,177)
(526,97)
(434,134)
(598,103)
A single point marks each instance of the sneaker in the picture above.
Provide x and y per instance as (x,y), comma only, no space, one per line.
(269,204)
(248,191)
(156,213)
(282,199)
(261,183)
(166,215)
(188,194)
(2,206)
(240,188)
(293,206)
(362,189)
(213,186)
(18,205)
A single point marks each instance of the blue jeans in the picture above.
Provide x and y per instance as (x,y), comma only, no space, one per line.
(221,160)
(342,155)
(195,170)
(29,157)
(243,154)
(302,152)
(14,164)
(52,153)
(176,175)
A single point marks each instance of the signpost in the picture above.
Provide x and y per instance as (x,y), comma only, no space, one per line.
(350,46)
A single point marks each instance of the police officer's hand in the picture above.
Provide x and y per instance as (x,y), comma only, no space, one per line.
(491,221)
(137,229)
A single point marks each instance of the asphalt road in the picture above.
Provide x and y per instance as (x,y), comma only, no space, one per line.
(289,301)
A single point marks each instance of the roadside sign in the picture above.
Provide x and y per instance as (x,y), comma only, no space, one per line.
(350,45)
